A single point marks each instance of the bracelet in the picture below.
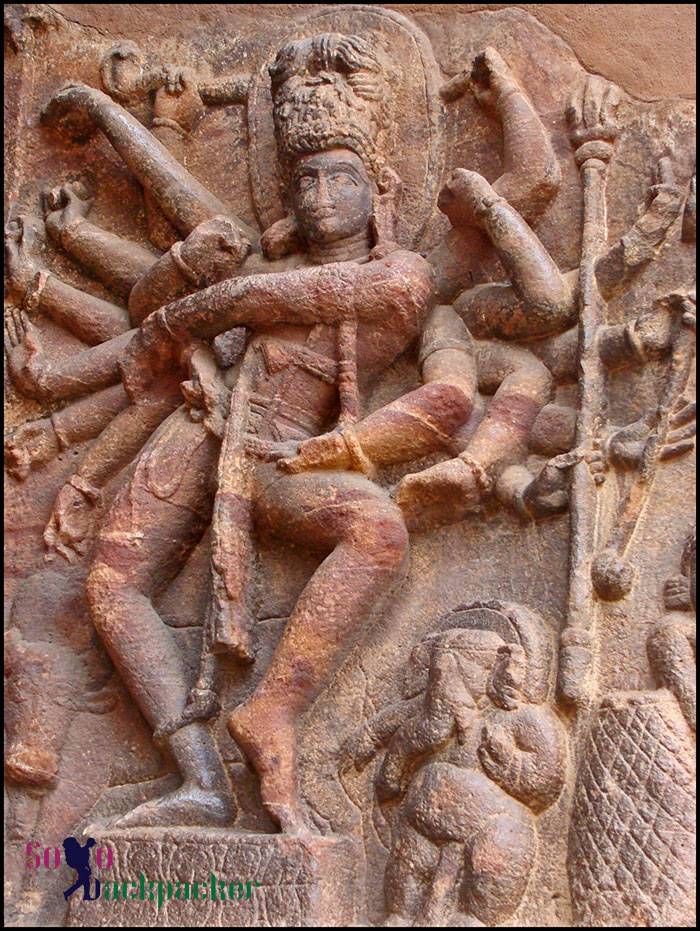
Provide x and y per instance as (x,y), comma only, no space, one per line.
(359,461)
(91,492)
(35,289)
(168,124)
(483,480)
(635,342)
(185,270)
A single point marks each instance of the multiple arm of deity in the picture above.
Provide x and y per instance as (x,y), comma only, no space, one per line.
(137,345)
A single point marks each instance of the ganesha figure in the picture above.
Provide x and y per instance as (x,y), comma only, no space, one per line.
(473,754)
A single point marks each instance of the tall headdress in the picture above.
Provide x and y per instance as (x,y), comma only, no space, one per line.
(328,91)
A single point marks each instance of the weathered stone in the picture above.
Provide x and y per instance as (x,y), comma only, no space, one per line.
(350,390)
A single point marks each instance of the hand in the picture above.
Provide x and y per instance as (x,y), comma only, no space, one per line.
(548,492)
(328,451)
(64,207)
(71,525)
(215,249)
(26,363)
(271,450)
(592,112)
(493,752)
(491,78)
(178,99)
(21,264)
(205,392)
(444,493)
(677,594)
(465,198)
(31,445)
(681,437)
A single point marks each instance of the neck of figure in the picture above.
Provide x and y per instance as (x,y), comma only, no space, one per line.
(353,249)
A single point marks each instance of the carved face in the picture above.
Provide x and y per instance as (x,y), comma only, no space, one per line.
(332,196)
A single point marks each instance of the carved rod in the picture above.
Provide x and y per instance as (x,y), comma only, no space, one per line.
(593,133)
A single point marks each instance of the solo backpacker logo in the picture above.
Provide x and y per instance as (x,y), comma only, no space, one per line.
(77,857)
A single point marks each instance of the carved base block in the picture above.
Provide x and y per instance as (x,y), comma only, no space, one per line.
(216,878)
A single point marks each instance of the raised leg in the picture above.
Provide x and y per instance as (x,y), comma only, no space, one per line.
(146,538)
(353,521)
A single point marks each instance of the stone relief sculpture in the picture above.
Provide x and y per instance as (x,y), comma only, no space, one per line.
(478,754)
(369,347)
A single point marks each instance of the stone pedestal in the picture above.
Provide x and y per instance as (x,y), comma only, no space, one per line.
(209,877)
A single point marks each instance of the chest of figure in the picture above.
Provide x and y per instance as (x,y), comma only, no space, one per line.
(295,385)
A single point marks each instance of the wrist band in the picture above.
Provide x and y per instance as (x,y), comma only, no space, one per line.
(359,461)
(483,480)
(91,492)
(168,124)
(634,341)
(185,270)
(35,289)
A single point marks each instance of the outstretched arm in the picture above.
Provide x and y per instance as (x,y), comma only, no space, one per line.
(183,200)
(116,262)
(89,318)
(531,174)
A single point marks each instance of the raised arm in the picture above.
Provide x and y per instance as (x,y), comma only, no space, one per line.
(531,174)
(539,301)
(89,318)
(184,201)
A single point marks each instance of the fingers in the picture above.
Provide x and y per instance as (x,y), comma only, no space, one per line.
(684,413)
(664,171)
(676,449)
(611,101)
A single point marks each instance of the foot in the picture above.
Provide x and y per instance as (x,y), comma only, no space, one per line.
(443,494)
(188,805)
(267,741)
(65,206)
(28,765)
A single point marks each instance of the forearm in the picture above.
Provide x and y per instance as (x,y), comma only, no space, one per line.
(123,438)
(86,371)
(89,318)
(116,262)
(88,417)
(398,285)
(640,244)
(533,274)
(531,174)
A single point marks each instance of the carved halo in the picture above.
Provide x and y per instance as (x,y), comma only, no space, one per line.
(513,623)
(416,154)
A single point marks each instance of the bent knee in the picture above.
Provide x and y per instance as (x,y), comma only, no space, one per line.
(105,590)
(380,531)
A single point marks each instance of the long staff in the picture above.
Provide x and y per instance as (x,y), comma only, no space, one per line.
(593,132)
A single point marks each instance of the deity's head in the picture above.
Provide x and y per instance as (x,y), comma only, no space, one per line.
(332,113)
